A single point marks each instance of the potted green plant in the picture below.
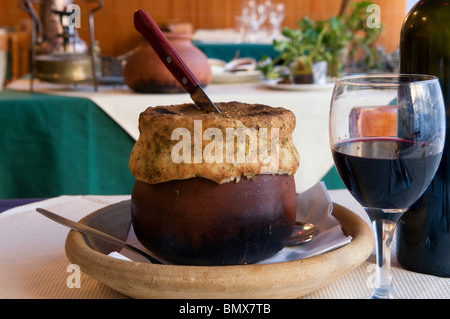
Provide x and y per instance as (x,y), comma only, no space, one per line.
(303,51)
(323,41)
(309,49)
(312,64)
(363,37)
(328,42)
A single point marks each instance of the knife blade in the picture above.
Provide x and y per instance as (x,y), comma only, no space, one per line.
(94,232)
(144,23)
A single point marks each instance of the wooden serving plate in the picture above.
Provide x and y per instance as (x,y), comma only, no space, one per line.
(290,279)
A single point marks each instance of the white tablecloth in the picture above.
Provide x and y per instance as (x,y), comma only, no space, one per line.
(33,262)
(311,109)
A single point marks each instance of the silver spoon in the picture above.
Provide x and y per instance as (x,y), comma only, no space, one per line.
(94,232)
(303,233)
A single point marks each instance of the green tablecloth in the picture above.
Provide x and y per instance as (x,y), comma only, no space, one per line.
(333,180)
(54,145)
(227,51)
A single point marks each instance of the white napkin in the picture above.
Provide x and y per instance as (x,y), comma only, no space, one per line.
(313,206)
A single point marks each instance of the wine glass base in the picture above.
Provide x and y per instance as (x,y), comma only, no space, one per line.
(390,296)
(381,293)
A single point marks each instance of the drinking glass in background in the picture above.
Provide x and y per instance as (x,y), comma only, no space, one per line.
(276,13)
(253,15)
(387,135)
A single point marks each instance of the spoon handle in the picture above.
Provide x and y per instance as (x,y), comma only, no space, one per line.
(148,28)
(94,232)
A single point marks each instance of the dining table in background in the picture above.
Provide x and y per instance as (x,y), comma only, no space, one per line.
(71,140)
(54,144)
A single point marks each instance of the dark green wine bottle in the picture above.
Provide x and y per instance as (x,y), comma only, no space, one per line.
(423,232)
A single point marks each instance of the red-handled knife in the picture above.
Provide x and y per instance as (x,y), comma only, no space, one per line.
(148,28)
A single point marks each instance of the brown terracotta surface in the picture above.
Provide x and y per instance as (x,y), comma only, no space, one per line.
(200,222)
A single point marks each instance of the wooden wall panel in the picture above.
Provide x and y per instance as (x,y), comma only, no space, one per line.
(116,34)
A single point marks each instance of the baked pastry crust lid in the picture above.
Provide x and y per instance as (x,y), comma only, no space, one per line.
(169,133)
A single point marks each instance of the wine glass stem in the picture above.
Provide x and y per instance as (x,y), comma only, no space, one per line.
(275,29)
(384,227)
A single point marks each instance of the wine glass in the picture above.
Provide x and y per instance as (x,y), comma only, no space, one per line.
(387,135)
(276,13)
(254,15)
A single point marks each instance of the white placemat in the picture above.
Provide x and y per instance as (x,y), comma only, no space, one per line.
(33,262)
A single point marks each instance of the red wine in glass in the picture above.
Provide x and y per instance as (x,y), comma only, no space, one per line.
(386,173)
